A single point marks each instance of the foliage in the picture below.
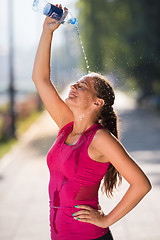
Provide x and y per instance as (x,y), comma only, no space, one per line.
(22,111)
(26,112)
(123,37)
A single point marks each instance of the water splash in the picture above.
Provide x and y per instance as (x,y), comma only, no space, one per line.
(81,117)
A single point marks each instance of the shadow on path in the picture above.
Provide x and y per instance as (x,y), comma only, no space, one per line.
(141,130)
(141,138)
(42,145)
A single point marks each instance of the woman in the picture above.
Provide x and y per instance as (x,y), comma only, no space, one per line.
(86,150)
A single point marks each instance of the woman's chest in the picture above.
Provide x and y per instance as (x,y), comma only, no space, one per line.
(65,159)
(71,140)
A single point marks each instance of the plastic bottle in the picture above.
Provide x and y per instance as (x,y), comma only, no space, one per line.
(50,10)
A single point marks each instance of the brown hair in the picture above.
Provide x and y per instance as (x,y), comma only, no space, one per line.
(107,118)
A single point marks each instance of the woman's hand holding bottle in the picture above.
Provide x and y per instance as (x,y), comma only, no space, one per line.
(50,24)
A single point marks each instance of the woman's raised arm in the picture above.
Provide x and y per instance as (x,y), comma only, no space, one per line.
(56,107)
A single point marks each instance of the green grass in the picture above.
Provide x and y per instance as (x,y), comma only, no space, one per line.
(21,126)
(4,107)
(6,146)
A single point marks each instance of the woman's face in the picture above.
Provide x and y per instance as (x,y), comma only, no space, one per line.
(82,94)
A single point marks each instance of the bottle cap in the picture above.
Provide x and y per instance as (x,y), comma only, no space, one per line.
(74,21)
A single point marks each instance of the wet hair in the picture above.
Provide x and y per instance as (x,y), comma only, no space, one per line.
(107,118)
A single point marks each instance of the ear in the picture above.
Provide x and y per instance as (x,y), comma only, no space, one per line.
(99,102)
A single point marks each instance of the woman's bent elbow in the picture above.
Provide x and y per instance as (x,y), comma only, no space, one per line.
(147,187)
(33,77)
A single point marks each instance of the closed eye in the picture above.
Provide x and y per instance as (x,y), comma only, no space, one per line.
(83,84)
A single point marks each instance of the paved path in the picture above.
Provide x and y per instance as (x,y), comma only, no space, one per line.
(24,212)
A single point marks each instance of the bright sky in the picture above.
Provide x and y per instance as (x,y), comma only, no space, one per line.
(27,23)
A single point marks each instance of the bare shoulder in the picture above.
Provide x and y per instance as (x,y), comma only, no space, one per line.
(98,147)
(106,145)
(104,136)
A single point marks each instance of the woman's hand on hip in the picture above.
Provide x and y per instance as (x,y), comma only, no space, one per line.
(51,24)
(90,215)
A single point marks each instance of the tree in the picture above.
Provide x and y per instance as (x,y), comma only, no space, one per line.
(93,31)
(145,35)
(123,36)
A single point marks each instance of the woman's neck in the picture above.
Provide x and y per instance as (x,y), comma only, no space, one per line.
(81,123)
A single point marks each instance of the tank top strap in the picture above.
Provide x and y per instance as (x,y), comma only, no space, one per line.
(65,129)
(92,131)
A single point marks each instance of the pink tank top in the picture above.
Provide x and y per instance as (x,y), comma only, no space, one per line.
(74,179)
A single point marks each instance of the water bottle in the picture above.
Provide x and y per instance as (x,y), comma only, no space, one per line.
(50,10)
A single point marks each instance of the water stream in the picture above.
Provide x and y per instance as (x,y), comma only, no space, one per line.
(85,56)
(80,39)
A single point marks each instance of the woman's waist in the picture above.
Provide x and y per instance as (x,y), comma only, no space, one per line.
(68,228)
(71,204)
(52,206)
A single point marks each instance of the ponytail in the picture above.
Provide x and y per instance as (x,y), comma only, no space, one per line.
(108,118)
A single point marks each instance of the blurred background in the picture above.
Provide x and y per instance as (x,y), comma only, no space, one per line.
(121,39)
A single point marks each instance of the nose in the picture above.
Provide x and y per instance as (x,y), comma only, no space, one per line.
(74,86)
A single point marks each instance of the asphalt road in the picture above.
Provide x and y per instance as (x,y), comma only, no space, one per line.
(24,176)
